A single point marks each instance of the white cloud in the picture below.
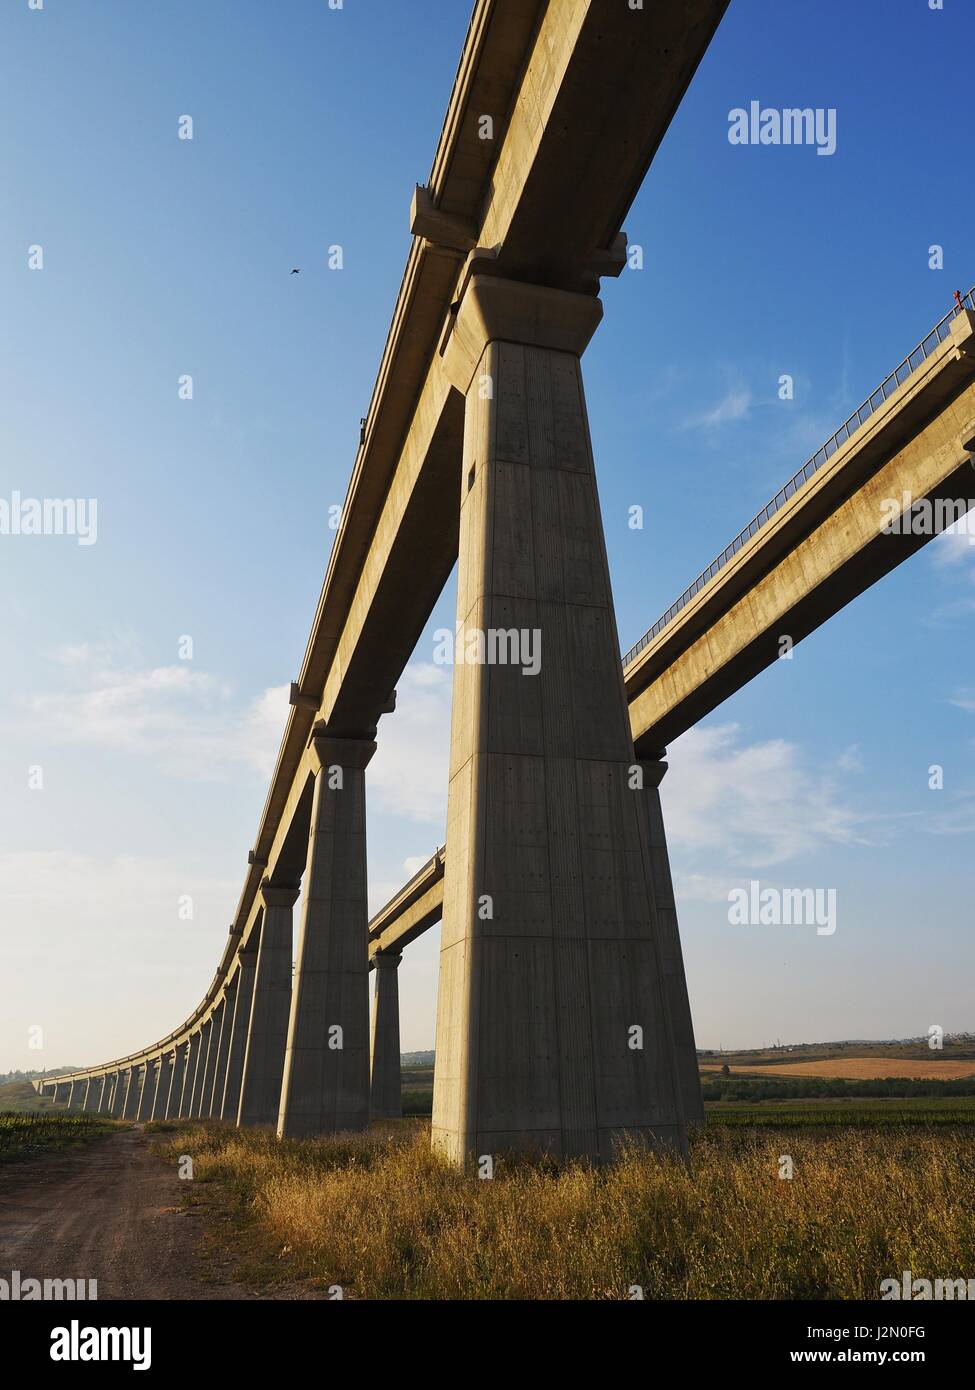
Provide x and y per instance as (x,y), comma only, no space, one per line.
(751,805)
(187,721)
(734,405)
(408,774)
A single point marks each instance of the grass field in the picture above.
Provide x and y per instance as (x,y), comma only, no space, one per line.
(20,1098)
(378,1215)
(27,1135)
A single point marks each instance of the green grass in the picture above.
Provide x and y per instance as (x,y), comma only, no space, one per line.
(26,1135)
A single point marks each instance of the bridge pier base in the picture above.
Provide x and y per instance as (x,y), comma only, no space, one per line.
(260,1092)
(553,1023)
(326,1073)
(385,1094)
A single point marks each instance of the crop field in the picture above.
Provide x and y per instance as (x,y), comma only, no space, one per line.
(858,1069)
(24,1135)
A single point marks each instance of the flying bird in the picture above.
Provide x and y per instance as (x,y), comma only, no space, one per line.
(295,272)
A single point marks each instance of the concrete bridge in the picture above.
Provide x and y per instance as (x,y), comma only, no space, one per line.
(563,1020)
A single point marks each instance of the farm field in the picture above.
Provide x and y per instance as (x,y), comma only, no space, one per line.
(857,1069)
(24,1136)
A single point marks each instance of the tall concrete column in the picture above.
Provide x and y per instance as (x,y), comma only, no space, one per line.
(164,1081)
(206,1089)
(121,1089)
(386,1086)
(108,1094)
(175,1098)
(673,957)
(267,1034)
(133,1086)
(216,1026)
(189,1075)
(230,1102)
(87,1092)
(147,1091)
(553,1024)
(74,1095)
(226,1012)
(326,1072)
(96,1095)
(199,1072)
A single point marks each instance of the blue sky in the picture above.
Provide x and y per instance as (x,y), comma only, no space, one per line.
(165,257)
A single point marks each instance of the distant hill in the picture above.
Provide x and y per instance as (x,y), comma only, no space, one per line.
(417,1059)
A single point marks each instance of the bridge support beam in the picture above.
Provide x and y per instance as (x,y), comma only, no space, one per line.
(385,1092)
(199,1071)
(553,1025)
(108,1094)
(224,1017)
(147,1090)
(209,1064)
(675,980)
(175,1097)
(243,998)
(326,1073)
(164,1080)
(118,1095)
(189,1075)
(267,1034)
(130,1102)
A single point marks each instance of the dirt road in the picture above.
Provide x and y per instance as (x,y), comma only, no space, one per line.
(112,1212)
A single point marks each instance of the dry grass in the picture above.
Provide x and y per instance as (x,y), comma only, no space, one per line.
(379,1215)
(857,1069)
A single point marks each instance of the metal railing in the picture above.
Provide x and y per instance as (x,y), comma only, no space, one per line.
(849,427)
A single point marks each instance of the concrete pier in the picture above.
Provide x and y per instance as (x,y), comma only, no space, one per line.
(213,1046)
(260,1091)
(199,1069)
(147,1091)
(326,1072)
(673,957)
(189,1075)
(133,1080)
(385,1091)
(176,1082)
(164,1079)
(225,1015)
(108,1094)
(553,1025)
(244,996)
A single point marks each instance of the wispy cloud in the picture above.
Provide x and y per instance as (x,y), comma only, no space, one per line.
(189,722)
(754,805)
